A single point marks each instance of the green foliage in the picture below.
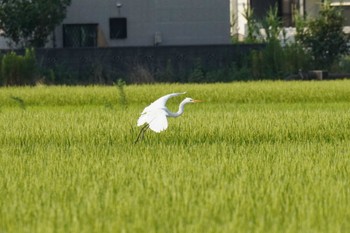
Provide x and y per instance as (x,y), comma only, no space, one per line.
(19,101)
(60,74)
(140,73)
(268,63)
(236,92)
(255,157)
(276,62)
(240,73)
(295,59)
(19,69)
(323,36)
(344,65)
(166,74)
(264,30)
(234,25)
(252,26)
(272,24)
(197,75)
(220,75)
(29,23)
(320,43)
(299,22)
(232,72)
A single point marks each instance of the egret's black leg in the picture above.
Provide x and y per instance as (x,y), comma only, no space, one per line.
(142,132)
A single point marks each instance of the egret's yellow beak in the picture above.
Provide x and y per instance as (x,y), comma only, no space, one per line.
(197,101)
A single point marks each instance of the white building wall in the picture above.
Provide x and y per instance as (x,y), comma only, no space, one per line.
(174,22)
(193,22)
(242,5)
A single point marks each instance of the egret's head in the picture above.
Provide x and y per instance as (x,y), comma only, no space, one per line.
(190,100)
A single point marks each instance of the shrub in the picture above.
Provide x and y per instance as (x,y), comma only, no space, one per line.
(276,62)
(344,64)
(166,74)
(252,26)
(197,75)
(269,62)
(19,69)
(323,36)
(272,25)
(239,73)
(140,74)
(296,58)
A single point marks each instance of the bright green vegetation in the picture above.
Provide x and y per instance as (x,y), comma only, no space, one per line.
(255,157)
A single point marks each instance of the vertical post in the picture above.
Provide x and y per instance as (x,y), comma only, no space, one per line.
(302,7)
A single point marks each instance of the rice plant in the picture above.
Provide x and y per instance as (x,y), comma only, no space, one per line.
(255,157)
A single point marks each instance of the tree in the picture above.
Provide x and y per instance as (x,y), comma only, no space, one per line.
(30,22)
(323,36)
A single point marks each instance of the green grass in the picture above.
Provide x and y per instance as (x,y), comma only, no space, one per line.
(255,157)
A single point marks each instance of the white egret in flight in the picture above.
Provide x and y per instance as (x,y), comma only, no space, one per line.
(155,115)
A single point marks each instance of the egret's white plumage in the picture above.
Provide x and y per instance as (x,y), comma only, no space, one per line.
(155,115)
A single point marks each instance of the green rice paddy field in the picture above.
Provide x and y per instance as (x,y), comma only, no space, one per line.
(254,157)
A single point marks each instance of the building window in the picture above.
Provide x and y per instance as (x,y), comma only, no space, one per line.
(345,9)
(346,14)
(80,35)
(117,28)
(284,9)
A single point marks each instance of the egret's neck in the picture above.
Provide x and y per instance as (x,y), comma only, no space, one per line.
(180,111)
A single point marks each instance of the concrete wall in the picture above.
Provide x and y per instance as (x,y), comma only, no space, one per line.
(90,64)
(175,22)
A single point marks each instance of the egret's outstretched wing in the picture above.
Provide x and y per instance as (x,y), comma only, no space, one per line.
(156,119)
(160,103)
(155,115)
(143,119)
(159,121)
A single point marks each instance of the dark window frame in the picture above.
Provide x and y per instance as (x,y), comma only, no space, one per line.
(81,40)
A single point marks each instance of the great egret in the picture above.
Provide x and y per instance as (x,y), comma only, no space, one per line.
(155,115)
